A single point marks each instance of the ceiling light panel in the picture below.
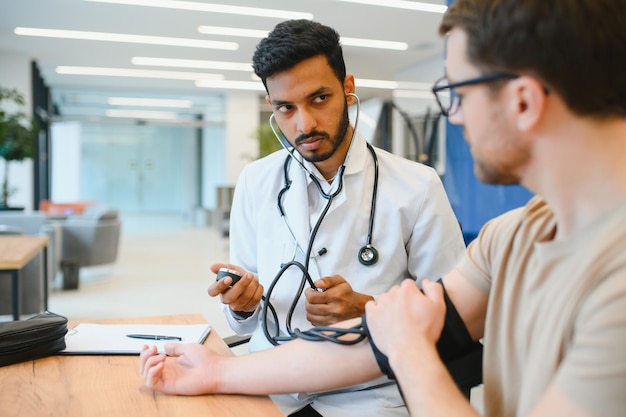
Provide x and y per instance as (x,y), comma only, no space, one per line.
(231,85)
(259,34)
(126,38)
(382,84)
(142,114)
(149,102)
(373,43)
(402,4)
(427,95)
(191,63)
(230,31)
(137,73)
(213,8)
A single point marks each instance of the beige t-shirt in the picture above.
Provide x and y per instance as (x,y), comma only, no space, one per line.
(557,310)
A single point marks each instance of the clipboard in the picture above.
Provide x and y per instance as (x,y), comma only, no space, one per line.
(112,339)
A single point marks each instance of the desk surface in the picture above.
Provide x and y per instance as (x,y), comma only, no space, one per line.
(16,251)
(77,386)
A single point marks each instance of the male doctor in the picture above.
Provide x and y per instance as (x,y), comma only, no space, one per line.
(317,206)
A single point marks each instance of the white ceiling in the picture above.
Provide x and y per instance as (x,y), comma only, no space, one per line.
(418,29)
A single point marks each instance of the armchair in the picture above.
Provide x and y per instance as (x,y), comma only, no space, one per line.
(92,238)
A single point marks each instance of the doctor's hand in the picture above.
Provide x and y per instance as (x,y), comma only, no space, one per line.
(188,369)
(337,301)
(245,295)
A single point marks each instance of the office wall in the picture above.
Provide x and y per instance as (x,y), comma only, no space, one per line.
(242,122)
(139,168)
(227,149)
(227,144)
(426,72)
(65,162)
(149,168)
(15,73)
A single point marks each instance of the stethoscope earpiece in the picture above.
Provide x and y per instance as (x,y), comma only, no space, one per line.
(368,255)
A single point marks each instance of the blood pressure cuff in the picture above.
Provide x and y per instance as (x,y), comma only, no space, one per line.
(39,336)
(462,356)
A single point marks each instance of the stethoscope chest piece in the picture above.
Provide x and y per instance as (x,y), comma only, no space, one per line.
(368,255)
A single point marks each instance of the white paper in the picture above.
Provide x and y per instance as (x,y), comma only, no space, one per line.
(89,338)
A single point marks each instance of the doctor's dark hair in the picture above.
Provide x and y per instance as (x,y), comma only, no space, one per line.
(569,45)
(293,41)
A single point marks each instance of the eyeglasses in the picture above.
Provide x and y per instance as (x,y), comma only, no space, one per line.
(449,102)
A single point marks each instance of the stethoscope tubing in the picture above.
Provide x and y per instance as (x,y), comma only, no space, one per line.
(306,277)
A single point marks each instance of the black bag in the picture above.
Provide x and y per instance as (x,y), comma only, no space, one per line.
(37,337)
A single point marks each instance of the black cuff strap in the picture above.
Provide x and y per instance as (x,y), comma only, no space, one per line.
(461,355)
(381,359)
(455,340)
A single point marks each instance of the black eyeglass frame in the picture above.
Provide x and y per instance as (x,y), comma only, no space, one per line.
(472,81)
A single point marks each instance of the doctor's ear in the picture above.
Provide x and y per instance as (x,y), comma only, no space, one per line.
(348,89)
(267,99)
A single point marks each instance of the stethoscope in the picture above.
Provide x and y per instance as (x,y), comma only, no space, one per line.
(367,255)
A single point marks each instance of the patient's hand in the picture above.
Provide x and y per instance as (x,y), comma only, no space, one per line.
(190,369)
(405,315)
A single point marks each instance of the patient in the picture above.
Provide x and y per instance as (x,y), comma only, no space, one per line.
(545,284)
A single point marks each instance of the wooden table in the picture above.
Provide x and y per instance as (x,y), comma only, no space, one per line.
(111,386)
(15,253)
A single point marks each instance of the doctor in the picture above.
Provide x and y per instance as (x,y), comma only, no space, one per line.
(320,205)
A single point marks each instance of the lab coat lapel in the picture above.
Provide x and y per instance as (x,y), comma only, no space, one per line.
(354,164)
(296,203)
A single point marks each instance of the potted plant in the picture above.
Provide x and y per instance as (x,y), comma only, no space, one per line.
(268,142)
(17,137)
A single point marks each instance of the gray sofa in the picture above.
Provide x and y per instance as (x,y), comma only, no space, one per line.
(91,238)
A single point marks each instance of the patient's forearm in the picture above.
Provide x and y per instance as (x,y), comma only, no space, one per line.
(298,366)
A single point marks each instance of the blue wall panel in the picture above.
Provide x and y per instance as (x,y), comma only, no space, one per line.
(474,203)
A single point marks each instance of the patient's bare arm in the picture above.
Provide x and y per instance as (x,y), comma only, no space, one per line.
(193,369)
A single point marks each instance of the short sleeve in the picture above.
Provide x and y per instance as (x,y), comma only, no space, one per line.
(484,252)
(593,372)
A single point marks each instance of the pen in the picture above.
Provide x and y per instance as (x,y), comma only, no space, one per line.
(153,337)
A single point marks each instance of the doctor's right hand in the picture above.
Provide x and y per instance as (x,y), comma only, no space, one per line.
(244,296)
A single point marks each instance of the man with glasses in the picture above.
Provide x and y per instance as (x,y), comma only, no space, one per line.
(447,99)
(535,85)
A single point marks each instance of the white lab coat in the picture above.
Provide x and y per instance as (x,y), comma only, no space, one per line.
(415,232)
